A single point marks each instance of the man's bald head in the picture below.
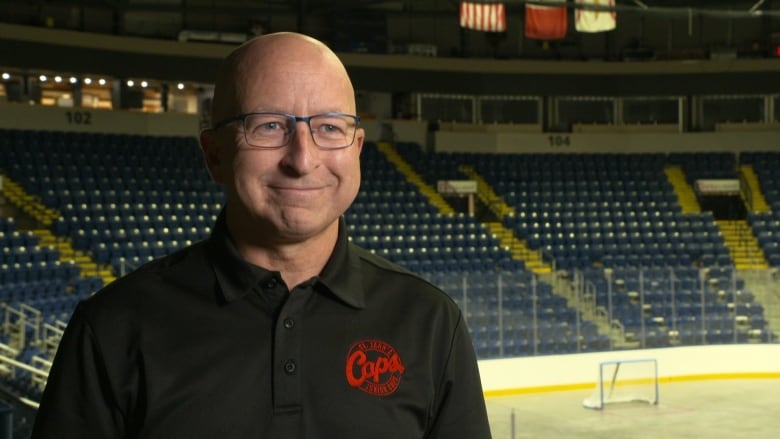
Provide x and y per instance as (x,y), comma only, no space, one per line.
(255,59)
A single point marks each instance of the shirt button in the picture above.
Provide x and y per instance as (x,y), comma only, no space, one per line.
(289,367)
(271,284)
(289,323)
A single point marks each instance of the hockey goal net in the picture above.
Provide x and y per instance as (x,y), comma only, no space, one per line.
(625,381)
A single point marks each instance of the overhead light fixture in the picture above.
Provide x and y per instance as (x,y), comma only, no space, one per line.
(144,84)
(87,81)
(43,78)
(58,79)
(130,83)
(102,81)
(6,75)
(180,86)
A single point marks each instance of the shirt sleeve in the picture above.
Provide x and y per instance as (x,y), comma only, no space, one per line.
(78,401)
(461,402)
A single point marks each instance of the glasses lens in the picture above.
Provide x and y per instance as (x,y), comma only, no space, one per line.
(273,130)
(333,131)
(267,130)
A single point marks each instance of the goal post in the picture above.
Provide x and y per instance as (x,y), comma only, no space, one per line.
(625,381)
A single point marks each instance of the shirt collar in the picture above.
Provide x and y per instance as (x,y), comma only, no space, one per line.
(236,276)
(341,275)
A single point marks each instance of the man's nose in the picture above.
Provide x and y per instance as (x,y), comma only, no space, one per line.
(302,153)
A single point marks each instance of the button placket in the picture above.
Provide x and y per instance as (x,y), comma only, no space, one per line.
(271,284)
(287,350)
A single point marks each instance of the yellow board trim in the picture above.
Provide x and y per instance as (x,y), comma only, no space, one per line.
(673,379)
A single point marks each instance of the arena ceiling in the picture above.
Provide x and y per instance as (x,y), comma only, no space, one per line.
(37,11)
(164,19)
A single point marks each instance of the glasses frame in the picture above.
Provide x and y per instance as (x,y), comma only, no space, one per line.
(306,119)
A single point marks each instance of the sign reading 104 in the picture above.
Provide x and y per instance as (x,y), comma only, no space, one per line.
(559,140)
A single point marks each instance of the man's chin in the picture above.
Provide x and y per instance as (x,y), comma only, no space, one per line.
(303,227)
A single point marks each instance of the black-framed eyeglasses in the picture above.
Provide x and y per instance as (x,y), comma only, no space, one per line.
(275,130)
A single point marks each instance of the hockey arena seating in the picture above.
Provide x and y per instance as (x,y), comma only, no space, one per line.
(623,265)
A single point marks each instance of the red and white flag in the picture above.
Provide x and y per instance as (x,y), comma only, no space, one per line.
(595,20)
(545,22)
(487,17)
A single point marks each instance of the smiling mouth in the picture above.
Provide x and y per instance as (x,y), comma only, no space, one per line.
(295,188)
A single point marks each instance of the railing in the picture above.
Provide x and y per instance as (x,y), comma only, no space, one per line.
(51,335)
(21,323)
(511,314)
(37,369)
(125,266)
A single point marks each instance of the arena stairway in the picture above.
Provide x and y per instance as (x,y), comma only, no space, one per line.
(519,249)
(413,177)
(43,217)
(743,245)
(757,202)
(685,194)
(487,194)
(563,285)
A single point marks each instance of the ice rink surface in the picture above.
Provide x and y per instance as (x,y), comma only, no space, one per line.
(733,408)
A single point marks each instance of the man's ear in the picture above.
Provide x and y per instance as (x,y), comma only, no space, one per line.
(360,137)
(210,147)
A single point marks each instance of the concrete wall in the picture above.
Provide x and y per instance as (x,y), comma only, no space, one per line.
(30,117)
(36,117)
(618,142)
(492,140)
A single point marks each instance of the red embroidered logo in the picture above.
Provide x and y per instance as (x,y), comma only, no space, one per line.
(374,367)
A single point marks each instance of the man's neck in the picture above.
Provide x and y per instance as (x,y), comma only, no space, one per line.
(297,262)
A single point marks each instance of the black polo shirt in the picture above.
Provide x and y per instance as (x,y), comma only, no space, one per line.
(201,344)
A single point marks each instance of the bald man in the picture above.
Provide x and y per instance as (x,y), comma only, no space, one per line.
(276,326)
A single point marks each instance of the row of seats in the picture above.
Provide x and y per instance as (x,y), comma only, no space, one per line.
(141,201)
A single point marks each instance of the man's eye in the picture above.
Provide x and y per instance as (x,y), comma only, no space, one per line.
(271,126)
(330,128)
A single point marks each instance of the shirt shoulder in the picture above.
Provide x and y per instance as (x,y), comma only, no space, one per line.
(387,277)
(182,275)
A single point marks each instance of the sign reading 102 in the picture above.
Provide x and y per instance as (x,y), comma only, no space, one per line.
(79,117)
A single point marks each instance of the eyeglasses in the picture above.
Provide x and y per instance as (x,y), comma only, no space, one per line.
(275,130)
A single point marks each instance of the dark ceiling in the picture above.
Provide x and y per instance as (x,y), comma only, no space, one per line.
(225,13)
(164,19)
